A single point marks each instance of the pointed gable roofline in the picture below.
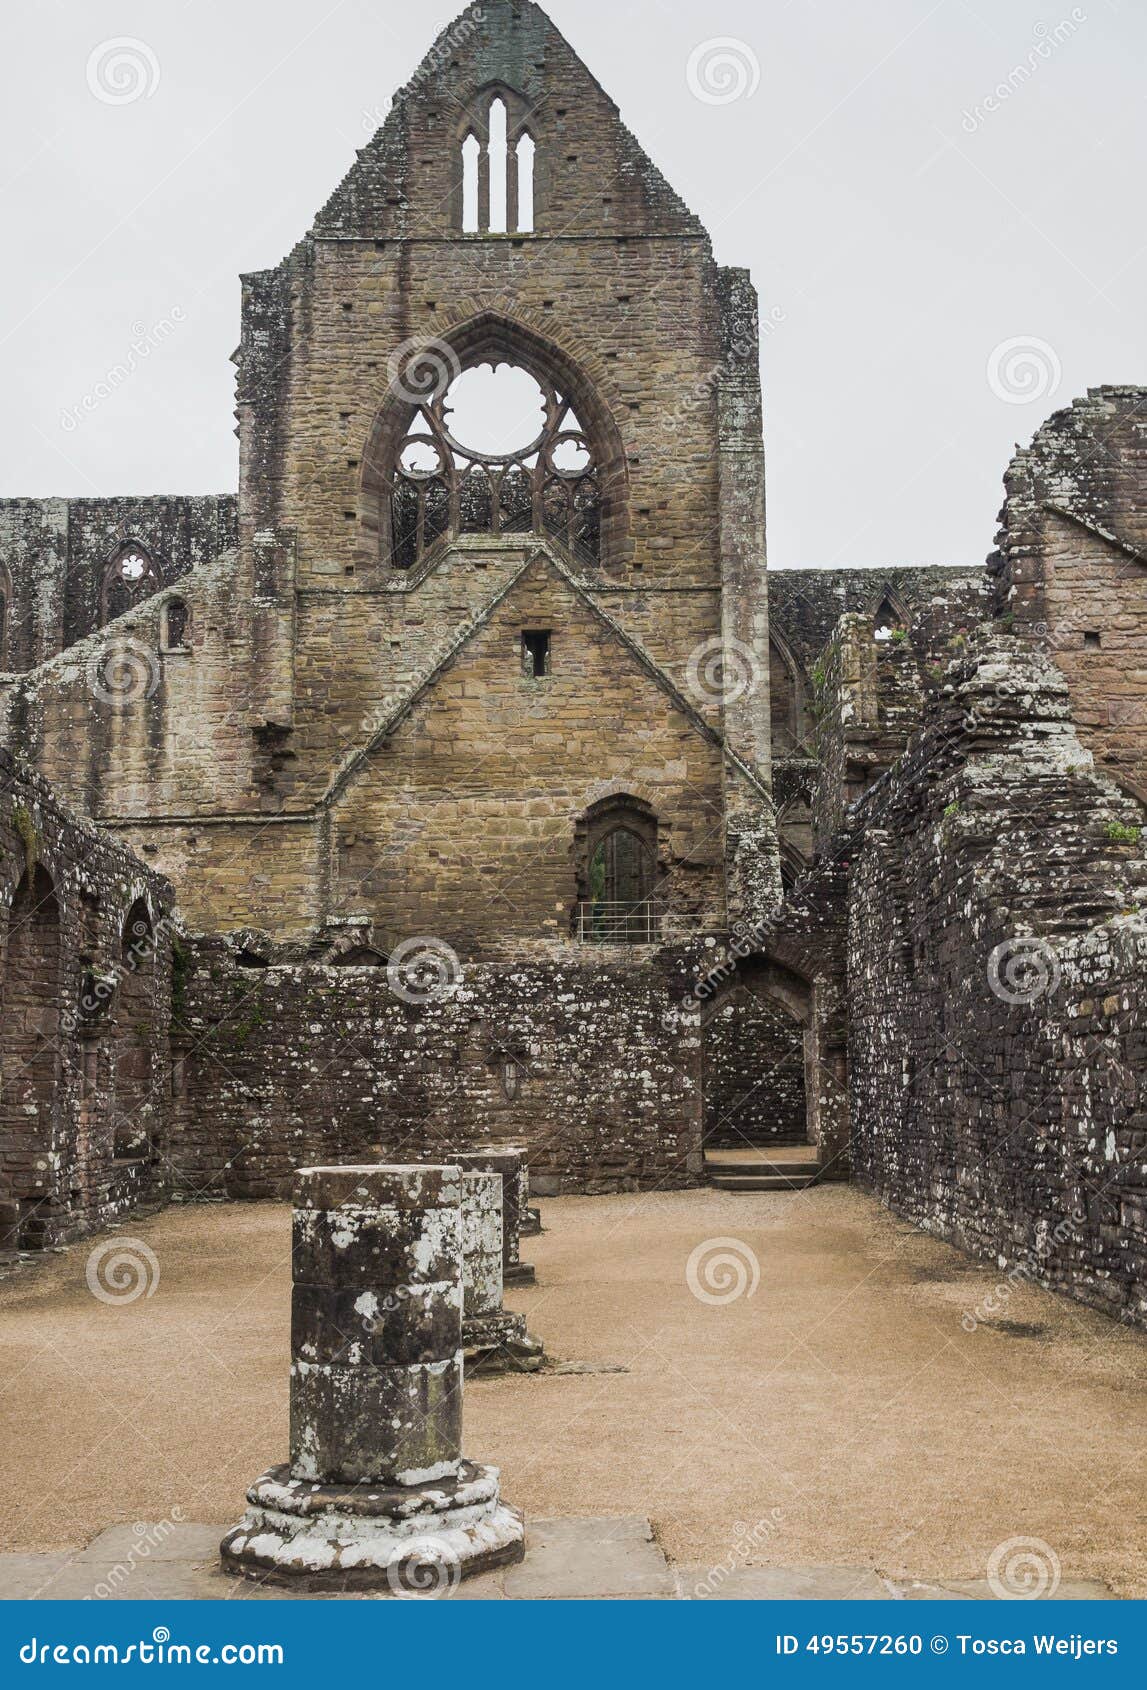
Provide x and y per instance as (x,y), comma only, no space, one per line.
(542,554)
(495,44)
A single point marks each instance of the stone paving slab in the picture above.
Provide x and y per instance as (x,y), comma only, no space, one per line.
(570,1560)
(781,1584)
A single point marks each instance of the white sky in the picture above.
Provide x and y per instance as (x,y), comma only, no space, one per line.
(897,240)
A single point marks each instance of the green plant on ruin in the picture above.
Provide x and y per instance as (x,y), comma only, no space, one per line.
(952,809)
(1121,833)
(29,835)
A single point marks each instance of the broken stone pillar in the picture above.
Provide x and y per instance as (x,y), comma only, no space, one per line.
(510,1162)
(491,1335)
(377,1491)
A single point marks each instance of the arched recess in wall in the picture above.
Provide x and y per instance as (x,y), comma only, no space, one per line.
(135,1016)
(754,1059)
(790,722)
(29,1023)
(888,615)
(793,865)
(616,857)
(418,487)
(131,574)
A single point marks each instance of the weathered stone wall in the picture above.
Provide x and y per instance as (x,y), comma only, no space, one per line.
(85,1001)
(595,1068)
(753,1073)
(1071,566)
(54,554)
(868,699)
(997,983)
(934,603)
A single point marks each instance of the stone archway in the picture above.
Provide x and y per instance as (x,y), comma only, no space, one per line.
(754,1058)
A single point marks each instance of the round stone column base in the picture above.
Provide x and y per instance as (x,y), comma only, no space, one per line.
(413,1541)
(499,1343)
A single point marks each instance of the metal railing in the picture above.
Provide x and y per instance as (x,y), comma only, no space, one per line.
(603,922)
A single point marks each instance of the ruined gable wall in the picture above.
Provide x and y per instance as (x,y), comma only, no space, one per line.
(301,1064)
(1006,1117)
(463,822)
(1071,565)
(84,1039)
(124,726)
(54,552)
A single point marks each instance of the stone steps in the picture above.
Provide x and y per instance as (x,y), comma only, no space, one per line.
(789,1171)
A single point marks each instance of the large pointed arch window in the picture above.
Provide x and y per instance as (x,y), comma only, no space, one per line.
(132,575)
(499,450)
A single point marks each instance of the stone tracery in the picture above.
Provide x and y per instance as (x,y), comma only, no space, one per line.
(441,485)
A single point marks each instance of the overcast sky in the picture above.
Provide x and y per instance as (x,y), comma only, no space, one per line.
(939,275)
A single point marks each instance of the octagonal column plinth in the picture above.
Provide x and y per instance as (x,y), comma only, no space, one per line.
(493,1336)
(510,1162)
(377,1491)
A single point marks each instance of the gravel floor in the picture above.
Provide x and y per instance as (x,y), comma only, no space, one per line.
(838,1412)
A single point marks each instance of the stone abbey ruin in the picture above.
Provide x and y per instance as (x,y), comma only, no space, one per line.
(429,793)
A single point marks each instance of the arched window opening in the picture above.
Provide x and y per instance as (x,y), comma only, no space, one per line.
(888,623)
(131,576)
(29,1024)
(499,451)
(497,165)
(788,717)
(135,1013)
(619,903)
(793,866)
(176,618)
(496,152)
(471,152)
(525,160)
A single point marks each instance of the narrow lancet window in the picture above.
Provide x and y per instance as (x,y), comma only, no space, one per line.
(471,148)
(496,152)
(524,155)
